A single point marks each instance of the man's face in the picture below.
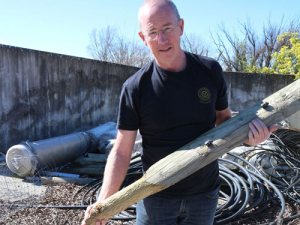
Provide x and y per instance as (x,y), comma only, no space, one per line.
(161,32)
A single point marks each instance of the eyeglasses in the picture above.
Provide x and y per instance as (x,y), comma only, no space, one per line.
(166,31)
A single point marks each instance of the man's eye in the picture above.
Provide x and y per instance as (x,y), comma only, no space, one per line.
(168,29)
(153,33)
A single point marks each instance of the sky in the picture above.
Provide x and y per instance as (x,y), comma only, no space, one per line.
(65,26)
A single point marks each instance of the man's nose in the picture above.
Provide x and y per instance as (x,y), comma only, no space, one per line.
(162,37)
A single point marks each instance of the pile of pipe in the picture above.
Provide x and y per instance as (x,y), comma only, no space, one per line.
(253,177)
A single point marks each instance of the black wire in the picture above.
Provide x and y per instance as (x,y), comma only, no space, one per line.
(245,193)
(267,182)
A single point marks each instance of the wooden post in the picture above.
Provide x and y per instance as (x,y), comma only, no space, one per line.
(197,154)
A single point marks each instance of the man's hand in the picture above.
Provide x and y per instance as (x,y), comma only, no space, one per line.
(87,215)
(259,132)
(115,169)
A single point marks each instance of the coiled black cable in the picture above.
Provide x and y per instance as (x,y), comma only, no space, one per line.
(246,191)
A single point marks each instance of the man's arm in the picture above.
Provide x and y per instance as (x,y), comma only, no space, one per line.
(116,168)
(117,163)
(222,116)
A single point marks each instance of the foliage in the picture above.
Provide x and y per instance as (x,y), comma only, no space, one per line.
(287,59)
(250,51)
(275,50)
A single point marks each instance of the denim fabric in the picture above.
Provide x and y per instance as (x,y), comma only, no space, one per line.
(199,210)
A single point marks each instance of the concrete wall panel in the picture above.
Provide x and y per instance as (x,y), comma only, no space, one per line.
(44,95)
(246,89)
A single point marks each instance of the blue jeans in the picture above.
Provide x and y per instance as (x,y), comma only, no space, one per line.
(161,211)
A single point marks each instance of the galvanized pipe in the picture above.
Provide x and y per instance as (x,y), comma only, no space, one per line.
(26,158)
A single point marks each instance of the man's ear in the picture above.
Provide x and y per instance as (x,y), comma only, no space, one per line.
(181,25)
(142,37)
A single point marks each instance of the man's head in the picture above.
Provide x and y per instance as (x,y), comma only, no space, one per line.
(161,29)
(169,3)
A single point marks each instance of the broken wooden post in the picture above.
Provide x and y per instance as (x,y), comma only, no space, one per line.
(197,154)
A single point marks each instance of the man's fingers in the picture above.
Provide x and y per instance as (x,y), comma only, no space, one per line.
(263,130)
(254,131)
(87,214)
(263,126)
(259,132)
(250,137)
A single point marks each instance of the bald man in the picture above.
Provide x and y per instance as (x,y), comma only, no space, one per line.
(171,101)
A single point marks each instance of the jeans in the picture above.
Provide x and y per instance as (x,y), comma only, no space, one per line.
(199,210)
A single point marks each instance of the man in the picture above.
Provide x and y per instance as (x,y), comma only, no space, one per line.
(172,100)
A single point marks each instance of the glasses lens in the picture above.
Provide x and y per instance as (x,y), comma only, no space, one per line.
(153,35)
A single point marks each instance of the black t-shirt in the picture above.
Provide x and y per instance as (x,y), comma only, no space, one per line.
(171,109)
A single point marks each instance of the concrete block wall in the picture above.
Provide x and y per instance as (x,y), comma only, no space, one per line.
(45,95)
(246,89)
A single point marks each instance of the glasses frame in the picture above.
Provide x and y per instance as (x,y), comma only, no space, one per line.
(154,34)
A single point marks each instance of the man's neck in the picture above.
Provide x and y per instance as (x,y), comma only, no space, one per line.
(177,65)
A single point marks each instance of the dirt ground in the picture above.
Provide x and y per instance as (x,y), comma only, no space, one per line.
(62,195)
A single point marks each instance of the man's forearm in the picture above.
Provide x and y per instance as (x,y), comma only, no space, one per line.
(117,163)
(114,174)
(222,116)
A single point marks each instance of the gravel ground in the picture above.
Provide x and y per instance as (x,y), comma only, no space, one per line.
(62,195)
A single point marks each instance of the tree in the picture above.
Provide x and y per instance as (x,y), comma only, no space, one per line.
(287,59)
(247,50)
(194,44)
(108,45)
(233,57)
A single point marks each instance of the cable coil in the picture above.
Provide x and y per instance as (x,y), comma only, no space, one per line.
(267,173)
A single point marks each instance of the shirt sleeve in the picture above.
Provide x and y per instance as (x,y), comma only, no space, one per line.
(222,98)
(128,118)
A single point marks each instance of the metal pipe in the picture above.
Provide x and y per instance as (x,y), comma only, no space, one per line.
(26,158)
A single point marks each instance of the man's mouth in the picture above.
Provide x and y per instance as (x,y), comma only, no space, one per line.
(164,50)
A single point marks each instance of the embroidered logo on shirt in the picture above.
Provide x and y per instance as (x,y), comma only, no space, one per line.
(204,95)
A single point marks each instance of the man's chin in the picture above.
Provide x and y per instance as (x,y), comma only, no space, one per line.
(166,53)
